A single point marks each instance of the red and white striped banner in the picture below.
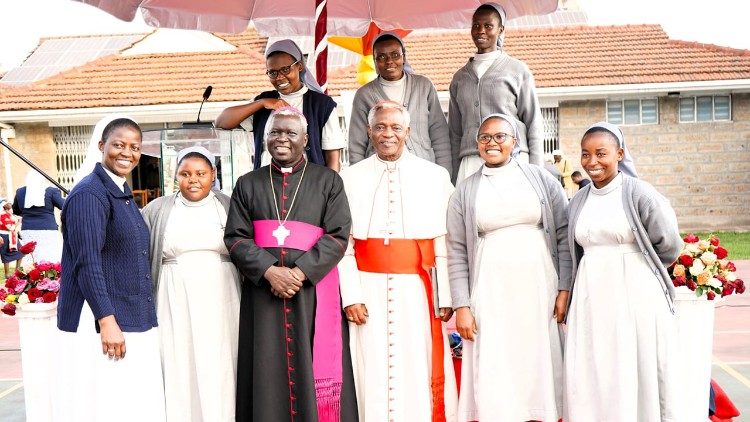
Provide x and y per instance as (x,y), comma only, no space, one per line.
(321,44)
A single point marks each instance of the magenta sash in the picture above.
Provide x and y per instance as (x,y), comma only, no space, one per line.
(327,342)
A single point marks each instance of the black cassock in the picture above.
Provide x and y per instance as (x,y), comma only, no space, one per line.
(276,335)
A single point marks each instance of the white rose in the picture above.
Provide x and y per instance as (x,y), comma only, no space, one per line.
(714,282)
(708,258)
(692,248)
(697,267)
(730,276)
(703,245)
(23,299)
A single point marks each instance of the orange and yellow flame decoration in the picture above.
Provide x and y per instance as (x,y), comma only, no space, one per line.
(363,46)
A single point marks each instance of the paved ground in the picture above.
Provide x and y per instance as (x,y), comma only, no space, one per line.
(731,366)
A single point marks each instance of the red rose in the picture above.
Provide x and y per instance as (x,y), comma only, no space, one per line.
(57,267)
(691,284)
(710,295)
(720,252)
(679,281)
(731,267)
(727,290)
(739,286)
(34,294)
(27,247)
(3,295)
(714,240)
(49,297)
(691,238)
(35,274)
(9,309)
(43,266)
(11,282)
(686,260)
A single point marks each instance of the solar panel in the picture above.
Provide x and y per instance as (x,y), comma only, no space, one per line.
(60,54)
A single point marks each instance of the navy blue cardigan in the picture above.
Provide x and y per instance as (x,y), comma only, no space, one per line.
(105,257)
(38,218)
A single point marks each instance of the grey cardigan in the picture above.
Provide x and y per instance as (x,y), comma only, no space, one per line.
(429,130)
(653,222)
(463,232)
(506,87)
(156,214)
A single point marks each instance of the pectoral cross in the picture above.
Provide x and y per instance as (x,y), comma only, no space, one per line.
(281,234)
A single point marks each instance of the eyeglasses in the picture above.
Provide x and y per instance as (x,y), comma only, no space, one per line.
(274,73)
(394,55)
(500,137)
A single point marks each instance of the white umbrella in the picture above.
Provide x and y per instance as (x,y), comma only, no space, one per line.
(308,17)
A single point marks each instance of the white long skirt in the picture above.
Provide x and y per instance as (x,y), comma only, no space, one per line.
(93,388)
(513,369)
(619,351)
(392,352)
(199,334)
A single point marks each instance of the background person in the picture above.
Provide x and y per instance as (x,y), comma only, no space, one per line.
(105,263)
(579,180)
(621,340)
(492,82)
(36,203)
(508,305)
(296,87)
(9,228)
(197,291)
(565,167)
(396,81)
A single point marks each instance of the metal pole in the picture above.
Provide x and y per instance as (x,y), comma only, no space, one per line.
(33,166)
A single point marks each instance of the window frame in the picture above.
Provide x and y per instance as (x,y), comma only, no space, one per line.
(694,98)
(622,101)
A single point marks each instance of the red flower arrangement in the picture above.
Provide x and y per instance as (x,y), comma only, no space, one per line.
(703,267)
(40,284)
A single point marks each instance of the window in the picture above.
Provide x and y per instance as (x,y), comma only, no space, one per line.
(707,108)
(633,112)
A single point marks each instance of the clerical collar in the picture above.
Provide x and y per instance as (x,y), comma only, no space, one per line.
(293,169)
(393,164)
(119,181)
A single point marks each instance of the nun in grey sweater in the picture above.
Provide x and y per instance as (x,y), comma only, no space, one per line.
(621,340)
(397,82)
(509,271)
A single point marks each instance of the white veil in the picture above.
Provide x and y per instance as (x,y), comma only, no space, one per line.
(93,155)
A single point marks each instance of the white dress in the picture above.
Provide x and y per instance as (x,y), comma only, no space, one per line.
(513,370)
(392,352)
(621,334)
(198,311)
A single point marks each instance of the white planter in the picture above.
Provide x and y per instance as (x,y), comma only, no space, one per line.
(37,326)
(695,320)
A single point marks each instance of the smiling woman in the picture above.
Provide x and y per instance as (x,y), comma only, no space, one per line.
(187,248)
(105,264)
(294,86)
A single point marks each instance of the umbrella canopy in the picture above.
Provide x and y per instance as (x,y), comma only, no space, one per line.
(297,17)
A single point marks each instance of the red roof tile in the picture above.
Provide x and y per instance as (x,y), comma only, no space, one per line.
(559,57)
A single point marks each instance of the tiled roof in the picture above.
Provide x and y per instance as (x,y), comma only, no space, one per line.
(559,57)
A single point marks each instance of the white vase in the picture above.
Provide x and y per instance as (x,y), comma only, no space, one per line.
(695,320)
(37,326)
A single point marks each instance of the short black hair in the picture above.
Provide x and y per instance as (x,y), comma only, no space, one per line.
(118,123)
(576,173)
